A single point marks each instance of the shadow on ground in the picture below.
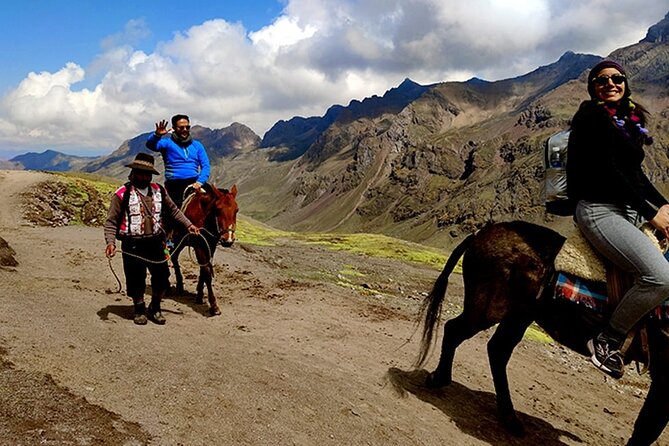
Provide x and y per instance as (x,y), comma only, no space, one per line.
(475,412)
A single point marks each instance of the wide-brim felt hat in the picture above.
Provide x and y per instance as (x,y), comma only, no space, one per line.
(145,162)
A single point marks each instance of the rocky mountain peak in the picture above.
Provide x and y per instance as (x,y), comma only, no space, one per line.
(659,32)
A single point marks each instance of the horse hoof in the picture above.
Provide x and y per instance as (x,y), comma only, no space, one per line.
(434,381)
(214,311)
(513,426)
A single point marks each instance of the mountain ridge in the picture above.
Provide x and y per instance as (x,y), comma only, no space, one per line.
(427,163)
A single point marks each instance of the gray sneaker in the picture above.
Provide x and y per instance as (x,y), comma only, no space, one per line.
(605,357)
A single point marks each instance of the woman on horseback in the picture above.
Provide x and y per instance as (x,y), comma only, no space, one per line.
(613,197)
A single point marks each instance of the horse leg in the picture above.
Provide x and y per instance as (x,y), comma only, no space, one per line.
(206,273)
(204,262)
(456,331)
(177,271)
(654,414)
(500,347)
(199,298)
(214,309)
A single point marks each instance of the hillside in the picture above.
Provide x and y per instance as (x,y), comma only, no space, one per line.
(461,155)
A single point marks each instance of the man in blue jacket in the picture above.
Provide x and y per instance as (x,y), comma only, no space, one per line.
(186,161)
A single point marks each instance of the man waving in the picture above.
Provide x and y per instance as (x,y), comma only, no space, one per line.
(186,161)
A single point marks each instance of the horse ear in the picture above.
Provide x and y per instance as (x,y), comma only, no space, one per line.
(233,190)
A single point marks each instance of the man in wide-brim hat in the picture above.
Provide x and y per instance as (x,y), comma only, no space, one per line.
(136,215)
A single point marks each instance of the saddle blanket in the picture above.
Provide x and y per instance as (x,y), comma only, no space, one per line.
(593,295)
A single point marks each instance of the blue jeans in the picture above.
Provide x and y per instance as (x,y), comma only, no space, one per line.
(613,231)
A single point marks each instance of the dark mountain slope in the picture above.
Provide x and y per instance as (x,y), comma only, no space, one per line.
(296,135)
(49,160)
(461,154)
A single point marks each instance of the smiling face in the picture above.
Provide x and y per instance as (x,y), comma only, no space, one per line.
(182,128)
(609,85)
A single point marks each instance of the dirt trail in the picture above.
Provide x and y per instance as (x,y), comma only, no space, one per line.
(292,360)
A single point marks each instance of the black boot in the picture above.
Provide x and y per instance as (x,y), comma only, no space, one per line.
(155,314)
(140,313)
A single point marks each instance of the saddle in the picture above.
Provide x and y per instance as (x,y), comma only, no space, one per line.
(585,277)
(189,193)
(578,258)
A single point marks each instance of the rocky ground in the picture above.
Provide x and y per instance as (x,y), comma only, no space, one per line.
(295,359)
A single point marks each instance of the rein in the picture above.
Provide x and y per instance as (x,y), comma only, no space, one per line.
(168,256)
(209,214)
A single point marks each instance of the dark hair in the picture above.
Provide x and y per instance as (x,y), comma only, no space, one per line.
(176,118)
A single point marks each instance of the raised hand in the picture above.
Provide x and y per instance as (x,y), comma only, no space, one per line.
(161,128)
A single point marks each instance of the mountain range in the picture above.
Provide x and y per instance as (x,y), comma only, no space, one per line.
(426,163)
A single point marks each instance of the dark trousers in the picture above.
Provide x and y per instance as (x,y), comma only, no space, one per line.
(176,188)
(152,249)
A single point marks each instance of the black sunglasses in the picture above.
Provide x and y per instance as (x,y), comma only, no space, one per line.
(615,78)
(183,127)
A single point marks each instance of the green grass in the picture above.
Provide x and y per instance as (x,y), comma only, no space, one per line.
(535,333)
(80,180)
(377,245)
(350,271)
(254,233)
(373,245)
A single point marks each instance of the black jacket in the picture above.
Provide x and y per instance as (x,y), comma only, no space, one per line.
(604,164)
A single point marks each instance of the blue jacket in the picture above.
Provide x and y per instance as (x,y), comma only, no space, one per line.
(181,162)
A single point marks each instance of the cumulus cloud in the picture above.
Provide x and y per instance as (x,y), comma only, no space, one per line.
(315,54)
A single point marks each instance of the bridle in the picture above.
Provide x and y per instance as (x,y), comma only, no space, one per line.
(230,231)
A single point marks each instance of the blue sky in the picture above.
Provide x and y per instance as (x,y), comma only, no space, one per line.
(82,76)
(45,33)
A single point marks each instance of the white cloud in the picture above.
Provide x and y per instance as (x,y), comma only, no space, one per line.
(318,53)
(284,32)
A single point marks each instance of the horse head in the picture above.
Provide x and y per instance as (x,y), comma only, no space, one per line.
(225,209)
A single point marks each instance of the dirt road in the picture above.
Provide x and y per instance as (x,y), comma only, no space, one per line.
(293,360)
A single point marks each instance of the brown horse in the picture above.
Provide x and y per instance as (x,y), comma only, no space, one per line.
(509,279)
(215,213)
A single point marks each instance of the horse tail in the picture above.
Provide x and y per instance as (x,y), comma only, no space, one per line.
(431,306)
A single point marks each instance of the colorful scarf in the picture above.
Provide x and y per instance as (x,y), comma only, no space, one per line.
(629,122)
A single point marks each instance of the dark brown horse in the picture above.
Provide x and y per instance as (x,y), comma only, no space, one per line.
(509,278)
(215,213)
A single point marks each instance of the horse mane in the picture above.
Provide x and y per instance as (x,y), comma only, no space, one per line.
(217,190)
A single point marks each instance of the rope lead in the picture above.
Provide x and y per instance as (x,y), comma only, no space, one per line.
(168,256)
